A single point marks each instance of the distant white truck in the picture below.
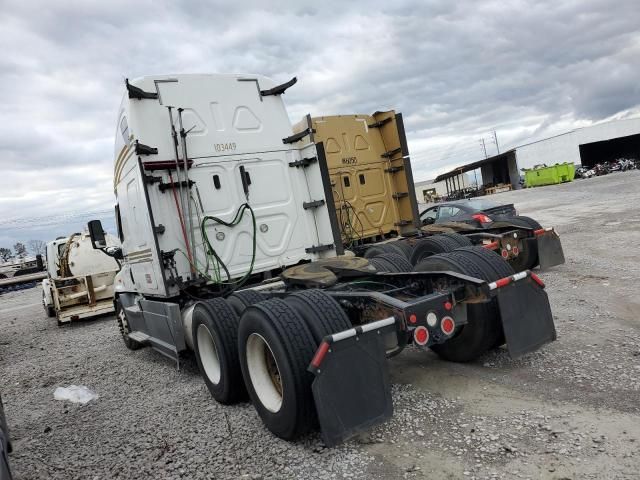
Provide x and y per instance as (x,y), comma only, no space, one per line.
(80,279)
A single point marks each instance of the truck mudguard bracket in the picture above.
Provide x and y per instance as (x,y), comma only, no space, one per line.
(403,223)
(525,312)
(394,169)
(279,89)
(303,162)
(298,136)
(399,195)
(391,153)
(138,93)
(352,390)
(381,123)
(142,149)
(550,251)
(319,248)
(312,204)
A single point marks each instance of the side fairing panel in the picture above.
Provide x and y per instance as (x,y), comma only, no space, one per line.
(141,268)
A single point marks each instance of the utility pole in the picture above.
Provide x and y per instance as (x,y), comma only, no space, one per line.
(495,137)
(484,148)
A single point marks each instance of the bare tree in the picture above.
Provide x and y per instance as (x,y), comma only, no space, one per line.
(5,254)
(20,249)
(37,247)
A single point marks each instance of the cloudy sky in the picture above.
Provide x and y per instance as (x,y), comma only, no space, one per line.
(457,71)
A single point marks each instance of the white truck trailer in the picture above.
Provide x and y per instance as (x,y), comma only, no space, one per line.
(229,250)
(79,281)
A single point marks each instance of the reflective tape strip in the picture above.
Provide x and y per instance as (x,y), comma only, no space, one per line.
(507,280)
(378,324)
(385,322)
(542,230)
(319,356)
(336,337)
(519,276)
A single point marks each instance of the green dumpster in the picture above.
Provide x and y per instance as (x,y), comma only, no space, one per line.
(543,175)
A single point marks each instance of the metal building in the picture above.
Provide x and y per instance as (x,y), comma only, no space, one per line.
(583,146)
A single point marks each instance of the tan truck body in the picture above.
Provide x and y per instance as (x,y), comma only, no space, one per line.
(370,172)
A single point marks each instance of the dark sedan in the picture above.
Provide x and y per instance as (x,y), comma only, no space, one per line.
(474,211)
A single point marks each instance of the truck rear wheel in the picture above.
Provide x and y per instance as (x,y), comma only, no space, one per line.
(391,263)
(398,247)
(527,258)
(321,313)
(402,247)
(461,240)
(432,246)
(500,268)
(242,299)
(124,327)
(215,343)
(276,347)
(484,328)
(379,249)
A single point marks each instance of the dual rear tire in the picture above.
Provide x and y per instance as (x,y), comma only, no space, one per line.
(215,343)
(265,353)
(277,339)
(483,330)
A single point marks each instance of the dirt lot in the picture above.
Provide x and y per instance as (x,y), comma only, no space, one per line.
(568,411)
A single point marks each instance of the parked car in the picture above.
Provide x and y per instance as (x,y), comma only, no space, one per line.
(475,211)
(5,446)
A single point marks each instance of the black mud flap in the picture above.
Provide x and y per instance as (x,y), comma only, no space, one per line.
(550,251)
(352,390)
(526,317)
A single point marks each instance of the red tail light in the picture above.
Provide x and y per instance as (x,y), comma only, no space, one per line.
(447,325)
(481,217)
(421,335)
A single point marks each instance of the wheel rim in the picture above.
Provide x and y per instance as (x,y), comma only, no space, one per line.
(208,354)
(264,372)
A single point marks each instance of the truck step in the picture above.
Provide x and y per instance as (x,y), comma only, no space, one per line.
(139,337)
(134,309)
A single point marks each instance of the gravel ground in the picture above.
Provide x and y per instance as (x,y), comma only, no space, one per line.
(568,411)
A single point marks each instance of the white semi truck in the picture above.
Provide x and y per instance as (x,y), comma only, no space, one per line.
(230,250)
(79,281)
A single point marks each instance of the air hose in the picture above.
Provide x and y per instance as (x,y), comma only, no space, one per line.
(217,262)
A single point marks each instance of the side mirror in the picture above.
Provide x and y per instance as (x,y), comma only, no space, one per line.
(97,234)
(428,221)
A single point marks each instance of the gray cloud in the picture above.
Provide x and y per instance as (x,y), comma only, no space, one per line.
(455,69)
